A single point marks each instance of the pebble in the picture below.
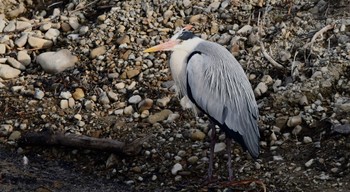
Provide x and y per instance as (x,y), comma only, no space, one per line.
(260,89)
(2,24)
(200,18)
(219,147)
(187,3)
(64,104)
(125,39)
(73,22)
(176,168)
(38,94)
(39,43)
(246,29)
(197,135)
(56,62)
(17,11)
(163,102)
(52,34)
(8,72)
(65,95)
(120,85)
(294,121)
(14,136)
(172,117)
(103,98)
(144,114)
(135,99)
(128,110)
(83,30)
(78,94)
(193,159)
(307,140)
(2,48)
(297,129)
(145,104)
(16,64)
(303,101)
(160,116)
(23,57)
(46,26)
(10,27)
(20,42)
(113,96)
(309,163)
(132,73)
(277,158)
(22,25)
(98,51)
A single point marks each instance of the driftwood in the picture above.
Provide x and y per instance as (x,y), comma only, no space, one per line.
(49,138)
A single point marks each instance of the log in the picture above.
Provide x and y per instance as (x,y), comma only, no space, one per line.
(48,138)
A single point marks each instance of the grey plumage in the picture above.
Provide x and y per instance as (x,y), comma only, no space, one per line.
(220,88)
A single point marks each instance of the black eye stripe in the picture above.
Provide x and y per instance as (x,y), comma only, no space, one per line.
(185,35)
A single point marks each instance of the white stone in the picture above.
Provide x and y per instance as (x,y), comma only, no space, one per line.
(307,140)
(2,48)
(20,42)
(38,94)
(163,101)
(16,64)
(52,34)
(22,25)
(176,168)
(8,72)
(135,99)
(56,62)
(260,89)
(65,95)
(219,147)
(39,43)
(23,57)
(10,27)
(120,85)
(128,110)
(2,24)
(64,104)
(112,95)
(245,29)
(309,163)
(73,22)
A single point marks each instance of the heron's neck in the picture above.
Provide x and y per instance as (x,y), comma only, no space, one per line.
(178,62)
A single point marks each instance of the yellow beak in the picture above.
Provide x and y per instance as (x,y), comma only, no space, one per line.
(167,46)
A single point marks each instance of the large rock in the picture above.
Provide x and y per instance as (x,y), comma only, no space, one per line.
(56,62)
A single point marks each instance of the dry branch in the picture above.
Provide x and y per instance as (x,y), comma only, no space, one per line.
(319,33)
(268,57)
(49,138)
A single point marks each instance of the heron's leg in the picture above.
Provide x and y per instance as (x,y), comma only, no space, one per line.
(212,145)
(229,164)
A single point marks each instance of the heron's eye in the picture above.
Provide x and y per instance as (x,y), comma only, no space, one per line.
(185,35)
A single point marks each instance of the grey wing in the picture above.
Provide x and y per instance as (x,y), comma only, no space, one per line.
(222,90)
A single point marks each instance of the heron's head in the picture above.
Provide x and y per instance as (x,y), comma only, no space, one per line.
(180,36)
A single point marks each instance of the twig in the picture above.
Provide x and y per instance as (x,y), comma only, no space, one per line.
(319,33)
(268,57)
(48,138)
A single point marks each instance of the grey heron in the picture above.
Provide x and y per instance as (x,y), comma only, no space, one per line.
(216,84)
